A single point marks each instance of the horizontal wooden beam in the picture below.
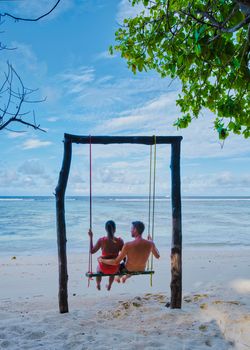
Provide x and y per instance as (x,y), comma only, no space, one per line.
(144,140)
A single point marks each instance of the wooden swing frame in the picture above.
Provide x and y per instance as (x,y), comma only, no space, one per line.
(176,247)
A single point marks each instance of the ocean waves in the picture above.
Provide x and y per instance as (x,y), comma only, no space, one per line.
(28,224)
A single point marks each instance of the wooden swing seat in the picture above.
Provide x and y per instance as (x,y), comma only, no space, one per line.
(100,274)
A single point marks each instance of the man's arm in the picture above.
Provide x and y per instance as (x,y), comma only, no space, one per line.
(155,251)
(117,260)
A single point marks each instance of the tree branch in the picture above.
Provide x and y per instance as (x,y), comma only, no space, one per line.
(14,94)
(30,19)
(213,23)
(19,120)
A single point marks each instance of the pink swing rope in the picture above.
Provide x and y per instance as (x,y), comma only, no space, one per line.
(90,268)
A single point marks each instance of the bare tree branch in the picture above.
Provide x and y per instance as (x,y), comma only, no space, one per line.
(30,19)
(19,120)
(14,96)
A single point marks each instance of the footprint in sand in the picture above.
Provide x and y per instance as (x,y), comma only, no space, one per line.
(16,329)
(5,344)
(36,335)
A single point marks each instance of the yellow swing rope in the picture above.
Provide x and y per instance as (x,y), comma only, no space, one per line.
(90,267)
(149,196)
(153,204)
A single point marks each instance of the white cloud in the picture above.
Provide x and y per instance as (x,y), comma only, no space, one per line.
(157,117)
(52,119)
(15,135)
(105,55)
(24,59)
(105,79)
(126,10)
(32,167)
(28,179)
(123,169)
(35,143)
(76,81)
(117,169)
(92,97)
(146,119)
(219,183)
(51,94)
(121,123)
(8,177)
(102,93)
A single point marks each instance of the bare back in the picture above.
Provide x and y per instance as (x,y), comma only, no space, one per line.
(111,247)
(137,253)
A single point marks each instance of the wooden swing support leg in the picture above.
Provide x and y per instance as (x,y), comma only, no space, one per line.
(61,228)
(176,249)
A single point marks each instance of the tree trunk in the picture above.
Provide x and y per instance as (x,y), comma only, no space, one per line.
(61,227)
(176,249)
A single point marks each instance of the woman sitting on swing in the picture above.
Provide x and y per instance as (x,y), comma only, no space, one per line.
(110,246)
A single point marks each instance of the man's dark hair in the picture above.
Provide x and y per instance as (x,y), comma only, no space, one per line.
(139,226)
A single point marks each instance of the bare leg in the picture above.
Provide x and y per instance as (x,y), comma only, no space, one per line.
(98,279)
(118,279)
(111,280)
(98,282)
(124,278)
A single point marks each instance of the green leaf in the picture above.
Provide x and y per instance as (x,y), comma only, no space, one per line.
(111,51)
(198,49)
(196,35)
(133,68)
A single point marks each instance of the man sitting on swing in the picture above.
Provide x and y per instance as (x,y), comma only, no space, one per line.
(136,252)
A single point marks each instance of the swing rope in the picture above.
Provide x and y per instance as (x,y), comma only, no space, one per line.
(151,203)
(153,211)
(90,269)
(149,196)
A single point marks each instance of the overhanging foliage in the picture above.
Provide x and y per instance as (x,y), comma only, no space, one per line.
(203,43)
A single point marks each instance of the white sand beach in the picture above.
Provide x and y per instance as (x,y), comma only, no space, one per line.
(215,312)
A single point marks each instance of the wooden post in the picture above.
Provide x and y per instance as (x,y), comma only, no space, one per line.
(176,249)
(61,227)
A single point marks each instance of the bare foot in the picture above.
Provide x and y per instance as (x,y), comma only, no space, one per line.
(108,286)
(98,286)
(118,279)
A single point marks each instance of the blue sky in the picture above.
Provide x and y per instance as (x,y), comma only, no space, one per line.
(89,92)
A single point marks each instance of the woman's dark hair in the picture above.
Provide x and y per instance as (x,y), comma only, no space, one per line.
(110,228)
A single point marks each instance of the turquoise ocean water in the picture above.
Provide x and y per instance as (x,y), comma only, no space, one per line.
(27,224)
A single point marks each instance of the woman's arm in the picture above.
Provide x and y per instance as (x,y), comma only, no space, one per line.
(97,246)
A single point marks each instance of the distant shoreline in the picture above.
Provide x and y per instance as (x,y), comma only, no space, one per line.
(129,197)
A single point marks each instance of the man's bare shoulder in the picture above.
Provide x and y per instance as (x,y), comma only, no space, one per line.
(132,244)
(128,244)
(139,242)
(147,241)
